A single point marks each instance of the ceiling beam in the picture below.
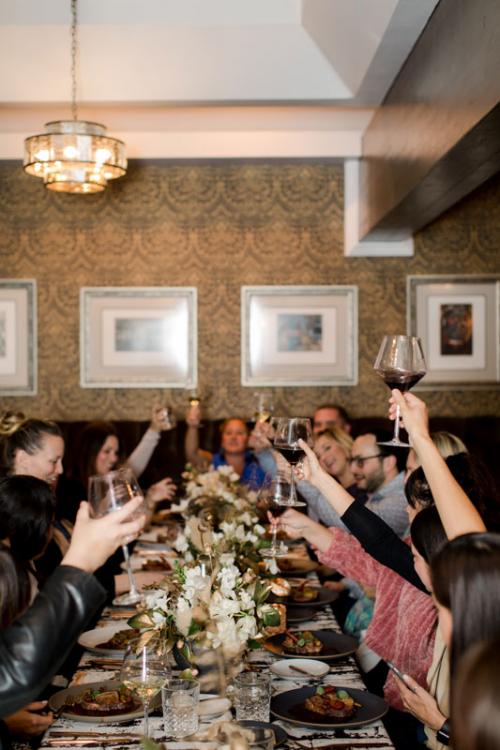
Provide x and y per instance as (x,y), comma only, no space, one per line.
(437,136)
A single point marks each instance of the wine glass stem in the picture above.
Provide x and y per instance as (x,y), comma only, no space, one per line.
(274,535)
(293,493)
(146,718)
(396,425)
(131,579)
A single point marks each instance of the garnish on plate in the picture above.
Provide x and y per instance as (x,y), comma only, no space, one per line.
(333,702)
(302,642)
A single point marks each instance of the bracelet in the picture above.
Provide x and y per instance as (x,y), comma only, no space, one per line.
(443,734)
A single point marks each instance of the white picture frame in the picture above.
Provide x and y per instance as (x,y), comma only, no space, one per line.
(299,335)
(138,337)
(457,318)
(18,337)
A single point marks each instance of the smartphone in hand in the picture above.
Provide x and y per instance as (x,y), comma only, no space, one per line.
(399,675)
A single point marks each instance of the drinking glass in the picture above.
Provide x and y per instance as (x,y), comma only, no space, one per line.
(263,406)
(274,496)
(169,420)
(180,707)
(107,493)
(287,434)
(252,696)
(144,672)
(400,363)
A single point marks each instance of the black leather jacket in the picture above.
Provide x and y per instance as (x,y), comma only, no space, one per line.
(33,648)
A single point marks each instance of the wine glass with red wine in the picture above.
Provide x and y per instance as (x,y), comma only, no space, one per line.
(401,364)
(274,497)
(287,434)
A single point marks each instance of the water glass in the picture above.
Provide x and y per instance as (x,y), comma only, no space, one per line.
(180,707)
(252,696)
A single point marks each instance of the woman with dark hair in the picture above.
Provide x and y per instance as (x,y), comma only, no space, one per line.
(475,708)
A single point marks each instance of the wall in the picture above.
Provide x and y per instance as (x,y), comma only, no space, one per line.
(217,228)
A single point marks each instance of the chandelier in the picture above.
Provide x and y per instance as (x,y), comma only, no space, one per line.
(74,156)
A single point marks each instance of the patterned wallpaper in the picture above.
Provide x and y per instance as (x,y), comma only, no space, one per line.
(217,228)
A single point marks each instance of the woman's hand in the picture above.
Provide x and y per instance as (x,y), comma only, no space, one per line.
(28,722)
(309,468)
(158,423)
(293,523)
(420,703)
(95,539)
(413,412)
(260,437)
(163,490)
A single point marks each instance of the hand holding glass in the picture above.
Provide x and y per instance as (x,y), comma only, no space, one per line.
(287,434)
(111,492)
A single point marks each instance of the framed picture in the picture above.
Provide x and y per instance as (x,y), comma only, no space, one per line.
(299,335)
(138,337)
(18,337)
(457,318)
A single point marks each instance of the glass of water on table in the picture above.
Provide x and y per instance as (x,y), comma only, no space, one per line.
(180,707)
(252,696)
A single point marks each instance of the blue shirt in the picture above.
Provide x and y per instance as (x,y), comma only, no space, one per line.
(252,475)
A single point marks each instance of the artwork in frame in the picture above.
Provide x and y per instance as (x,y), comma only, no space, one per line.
(138,337)
(299,335)
(18,337)
(457,318)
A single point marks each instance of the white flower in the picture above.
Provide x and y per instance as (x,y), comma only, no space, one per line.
(156,599)
(228,577)
(222,607)
(181,543)
(195,585)
(183,616)
(247,628)
(246,601)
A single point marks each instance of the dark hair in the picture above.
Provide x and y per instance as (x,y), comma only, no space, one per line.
(225,423)
(27,507)
(341,411)
(472,477)
(475,708)
(400,454)
(427,533)
(466,580)
(14,588)
(89,443)
(19,433)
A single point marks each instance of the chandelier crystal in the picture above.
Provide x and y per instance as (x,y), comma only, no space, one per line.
(74,156)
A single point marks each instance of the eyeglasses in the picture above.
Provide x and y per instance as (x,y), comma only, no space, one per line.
(360,460)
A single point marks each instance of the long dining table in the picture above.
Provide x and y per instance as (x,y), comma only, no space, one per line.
(68,733)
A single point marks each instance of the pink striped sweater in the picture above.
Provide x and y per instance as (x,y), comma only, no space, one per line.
(404,620)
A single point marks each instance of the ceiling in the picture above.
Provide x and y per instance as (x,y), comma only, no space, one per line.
(207,78)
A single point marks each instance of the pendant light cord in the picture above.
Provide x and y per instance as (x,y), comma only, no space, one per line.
(74,109)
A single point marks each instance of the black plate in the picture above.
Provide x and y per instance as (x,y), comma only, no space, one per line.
(325,596)
(298,567)
(337,646)
(289,706)
(280,736)
(57,701)
(299,614)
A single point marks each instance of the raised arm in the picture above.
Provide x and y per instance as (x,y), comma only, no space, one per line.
(458,514)
(194,455)
(140,456)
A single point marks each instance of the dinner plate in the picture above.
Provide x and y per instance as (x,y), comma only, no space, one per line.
(137,564)
(284,669)
(289,706)
(296,566)
(57,700)
(325,596)
(280,736)
(299,614)
(336,646)
(149,540)
(213,707)
(92,638)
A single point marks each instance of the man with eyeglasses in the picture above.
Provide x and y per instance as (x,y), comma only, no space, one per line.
(379,471)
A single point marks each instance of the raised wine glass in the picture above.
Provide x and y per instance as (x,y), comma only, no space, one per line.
(145,672)
(287,434)
(400,363)
(110,492)
(263,406)
(274,497)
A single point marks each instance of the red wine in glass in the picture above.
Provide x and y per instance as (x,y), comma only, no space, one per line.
(400,363)
(292,453)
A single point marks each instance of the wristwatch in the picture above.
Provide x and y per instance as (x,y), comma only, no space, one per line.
(443,734)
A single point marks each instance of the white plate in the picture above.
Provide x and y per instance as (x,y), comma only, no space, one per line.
(316,669)
(212,707)
(91,639)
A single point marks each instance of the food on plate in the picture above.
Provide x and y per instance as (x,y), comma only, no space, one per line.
(280,586)
(103,702)
(302,642)
(304,593)
(121,640)
(332,702)
(159,564)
